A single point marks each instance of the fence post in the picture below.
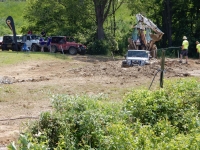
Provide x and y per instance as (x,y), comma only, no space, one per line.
(162,68)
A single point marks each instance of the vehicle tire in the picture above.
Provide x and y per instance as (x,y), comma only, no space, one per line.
(13,48)
(19,47)
(4,47)
(53,49)
(124,64)
(72,51)
(34,48)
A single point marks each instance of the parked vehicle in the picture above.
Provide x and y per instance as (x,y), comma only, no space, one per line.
(32,42)
(67,44)
(9,43)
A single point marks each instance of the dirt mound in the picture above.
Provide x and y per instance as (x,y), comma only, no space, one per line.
(113,69)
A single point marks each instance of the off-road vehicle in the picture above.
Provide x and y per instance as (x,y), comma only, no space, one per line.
(136,57)
(32,42)
(67,44)
(8,42)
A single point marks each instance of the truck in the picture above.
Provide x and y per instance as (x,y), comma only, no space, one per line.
(143,39)
(67,44)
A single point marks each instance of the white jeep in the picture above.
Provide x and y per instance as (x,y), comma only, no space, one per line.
(136,57)
(32,42)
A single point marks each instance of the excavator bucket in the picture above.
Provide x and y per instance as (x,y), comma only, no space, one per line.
(156,37)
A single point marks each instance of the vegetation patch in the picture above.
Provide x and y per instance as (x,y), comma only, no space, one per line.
(162,119)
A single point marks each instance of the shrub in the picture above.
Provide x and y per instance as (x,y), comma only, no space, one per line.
(98,47)
(178,103)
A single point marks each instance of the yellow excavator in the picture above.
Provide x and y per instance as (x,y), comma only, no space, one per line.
(143,38)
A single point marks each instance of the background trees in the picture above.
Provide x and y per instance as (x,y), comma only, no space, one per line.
(109,21)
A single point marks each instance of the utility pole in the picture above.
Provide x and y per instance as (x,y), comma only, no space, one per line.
(162,68)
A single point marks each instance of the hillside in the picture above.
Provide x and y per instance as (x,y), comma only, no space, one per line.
(14,9)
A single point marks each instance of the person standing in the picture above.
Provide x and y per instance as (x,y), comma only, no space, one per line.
(29,31)
(198,47)
(49,43)
(184,51)
(41,42)
(43,33)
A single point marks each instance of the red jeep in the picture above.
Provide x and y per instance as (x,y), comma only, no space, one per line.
(66,44)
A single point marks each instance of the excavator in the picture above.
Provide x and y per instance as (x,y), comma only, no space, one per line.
(142,36)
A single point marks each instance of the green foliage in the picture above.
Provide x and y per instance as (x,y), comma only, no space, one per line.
(177,103)
(98,47)
(26,142)
(72,19)
(14,9)
(163,119)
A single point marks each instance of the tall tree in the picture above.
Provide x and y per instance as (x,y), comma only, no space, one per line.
(44,14)
(102,9)
(60,16)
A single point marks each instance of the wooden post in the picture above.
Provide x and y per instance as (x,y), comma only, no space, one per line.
(162,68)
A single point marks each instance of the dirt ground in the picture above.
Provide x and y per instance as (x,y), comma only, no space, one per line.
(27,87)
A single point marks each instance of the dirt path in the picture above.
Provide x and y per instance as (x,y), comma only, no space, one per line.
(31,85)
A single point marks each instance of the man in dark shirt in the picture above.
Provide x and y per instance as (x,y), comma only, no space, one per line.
(42,43)
(43,33)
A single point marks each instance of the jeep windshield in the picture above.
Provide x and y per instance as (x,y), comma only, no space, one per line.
(143,54)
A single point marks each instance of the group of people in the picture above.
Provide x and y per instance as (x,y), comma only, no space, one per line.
(184,47)
(41,41)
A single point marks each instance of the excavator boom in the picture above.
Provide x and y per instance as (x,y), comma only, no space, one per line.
(149,23)
(143,38)
(143,20)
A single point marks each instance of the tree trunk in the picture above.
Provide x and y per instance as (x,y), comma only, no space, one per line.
(100,30)
(102,8)
(167,19)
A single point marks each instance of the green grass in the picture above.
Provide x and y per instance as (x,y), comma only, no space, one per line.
(13,57)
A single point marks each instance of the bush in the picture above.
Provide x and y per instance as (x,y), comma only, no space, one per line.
(98,47)
(178,103)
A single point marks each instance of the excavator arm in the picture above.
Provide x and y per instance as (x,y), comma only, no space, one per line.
(143,38)
(143,20)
